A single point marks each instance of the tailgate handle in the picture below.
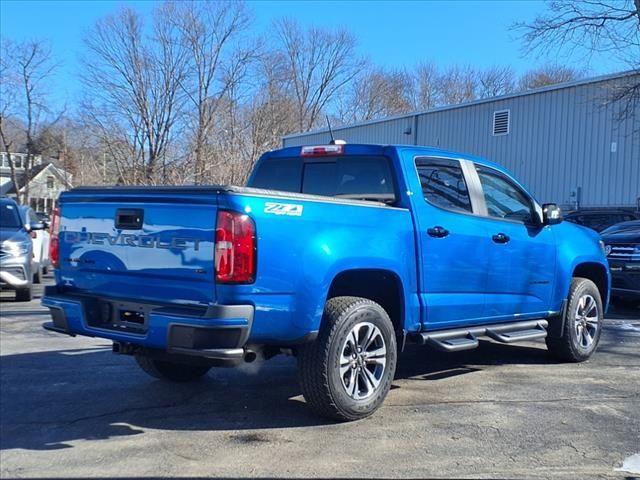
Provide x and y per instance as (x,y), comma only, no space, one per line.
(129,218)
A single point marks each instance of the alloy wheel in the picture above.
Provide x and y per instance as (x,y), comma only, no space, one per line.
(363,360)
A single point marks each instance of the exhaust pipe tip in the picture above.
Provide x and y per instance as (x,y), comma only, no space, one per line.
(250,356)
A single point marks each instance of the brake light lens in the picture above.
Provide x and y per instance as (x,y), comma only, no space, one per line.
(235,258)
(54,240)
(322,150)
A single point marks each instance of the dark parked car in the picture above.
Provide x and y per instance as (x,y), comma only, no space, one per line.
(44,218)
(622,247)
(600,219)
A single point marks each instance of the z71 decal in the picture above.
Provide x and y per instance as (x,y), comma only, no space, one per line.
(283,209)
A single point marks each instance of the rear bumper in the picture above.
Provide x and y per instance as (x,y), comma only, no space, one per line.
(217,332)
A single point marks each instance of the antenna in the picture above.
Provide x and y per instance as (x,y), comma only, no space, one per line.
(332,142)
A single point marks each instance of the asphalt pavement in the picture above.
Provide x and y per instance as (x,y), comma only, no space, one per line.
(70,408)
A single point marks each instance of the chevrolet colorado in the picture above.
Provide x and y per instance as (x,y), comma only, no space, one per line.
(337,254)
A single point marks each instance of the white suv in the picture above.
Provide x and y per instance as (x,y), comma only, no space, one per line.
(40,242)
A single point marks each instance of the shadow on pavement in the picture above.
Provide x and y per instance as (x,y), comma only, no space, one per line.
(623,311)
(9,296)
(49,399)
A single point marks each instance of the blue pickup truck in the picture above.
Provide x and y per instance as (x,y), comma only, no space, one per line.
(337,254)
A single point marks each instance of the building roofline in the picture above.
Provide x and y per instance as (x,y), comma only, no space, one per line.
(51,168)
(549,88)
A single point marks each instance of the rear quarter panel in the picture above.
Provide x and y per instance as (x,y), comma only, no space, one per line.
(300,254)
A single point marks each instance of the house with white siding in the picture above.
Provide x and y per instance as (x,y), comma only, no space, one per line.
(46,184)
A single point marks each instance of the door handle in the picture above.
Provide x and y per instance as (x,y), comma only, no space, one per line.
(438,232)
(500,238)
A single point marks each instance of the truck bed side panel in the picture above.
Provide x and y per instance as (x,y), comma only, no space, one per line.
(303,244)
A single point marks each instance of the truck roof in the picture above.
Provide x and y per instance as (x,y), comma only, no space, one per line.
(380,149)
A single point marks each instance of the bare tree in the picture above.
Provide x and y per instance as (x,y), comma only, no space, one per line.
(607,27)
(375,93)
(7,145)
(271,111)
(218,57)
(320,63)
(496,81)
(72,148)
(423,89)
(24,71)
(457,84)
(133,81)
(548,75)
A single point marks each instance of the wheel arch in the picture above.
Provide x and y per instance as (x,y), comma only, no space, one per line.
(379,285)
(598,274)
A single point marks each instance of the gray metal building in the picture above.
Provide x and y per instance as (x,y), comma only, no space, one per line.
(568,142)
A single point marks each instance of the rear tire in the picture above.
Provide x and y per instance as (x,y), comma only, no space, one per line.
(582,324)
(24,294)
(172,371)
(346,373)
(37,276)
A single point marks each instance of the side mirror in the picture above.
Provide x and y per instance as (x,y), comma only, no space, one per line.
(36,226)
(551,214)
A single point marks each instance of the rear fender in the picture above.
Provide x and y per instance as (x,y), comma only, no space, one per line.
(309,309)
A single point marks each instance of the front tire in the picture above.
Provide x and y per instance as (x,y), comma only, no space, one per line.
(582,321)
(346,373)
(171,371)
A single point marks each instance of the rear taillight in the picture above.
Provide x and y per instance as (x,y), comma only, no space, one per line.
(54,241)
(235,248)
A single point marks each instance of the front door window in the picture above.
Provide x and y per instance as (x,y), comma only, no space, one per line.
(503,198)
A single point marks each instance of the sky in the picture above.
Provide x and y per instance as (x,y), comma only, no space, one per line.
(393,34)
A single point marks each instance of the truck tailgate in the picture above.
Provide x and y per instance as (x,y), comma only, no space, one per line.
(154,244)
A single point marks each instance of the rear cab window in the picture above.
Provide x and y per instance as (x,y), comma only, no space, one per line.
(278,174)
(356,177)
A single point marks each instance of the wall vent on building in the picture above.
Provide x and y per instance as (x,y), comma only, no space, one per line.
(501,122)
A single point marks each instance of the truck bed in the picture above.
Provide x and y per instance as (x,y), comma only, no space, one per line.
(303,241)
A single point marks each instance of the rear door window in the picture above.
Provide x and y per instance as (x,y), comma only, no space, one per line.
(443,184)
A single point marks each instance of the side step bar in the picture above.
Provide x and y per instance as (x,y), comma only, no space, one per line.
(459,339)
